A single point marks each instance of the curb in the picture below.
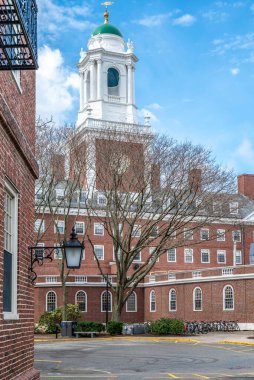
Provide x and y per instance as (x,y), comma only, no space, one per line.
(153,339)
(235,342)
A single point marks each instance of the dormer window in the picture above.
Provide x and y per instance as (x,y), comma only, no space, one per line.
(113,81)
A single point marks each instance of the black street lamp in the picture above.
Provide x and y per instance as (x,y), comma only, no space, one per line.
(72,252)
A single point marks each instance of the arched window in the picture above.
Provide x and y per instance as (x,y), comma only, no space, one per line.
(106,301)
(152,301)
(50,301)
(81,300)
(228,298)
(197,299)
(131,303)
(172,300)
(113,81)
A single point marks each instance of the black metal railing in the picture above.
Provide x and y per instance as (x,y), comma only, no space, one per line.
(18,34)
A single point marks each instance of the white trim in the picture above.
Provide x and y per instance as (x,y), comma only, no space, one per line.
(51,291)
(110,298)
(169,300)
(99,246)
(208,250)
(76,301)
(194,298)
(219,252)
(152,292)
(132,311)
(233,293)
(96,224)
(13,315)
(83,223)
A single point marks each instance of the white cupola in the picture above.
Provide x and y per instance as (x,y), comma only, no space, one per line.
(107,85)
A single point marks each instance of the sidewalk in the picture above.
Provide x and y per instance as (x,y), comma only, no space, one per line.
(236,337)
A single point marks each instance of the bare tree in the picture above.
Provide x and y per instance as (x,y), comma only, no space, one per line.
(149,192)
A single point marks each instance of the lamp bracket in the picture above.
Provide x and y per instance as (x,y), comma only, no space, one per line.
(38,255)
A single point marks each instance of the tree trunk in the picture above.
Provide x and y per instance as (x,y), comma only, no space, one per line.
(118,304)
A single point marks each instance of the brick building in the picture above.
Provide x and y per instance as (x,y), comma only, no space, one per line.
(18,171)
(208,276)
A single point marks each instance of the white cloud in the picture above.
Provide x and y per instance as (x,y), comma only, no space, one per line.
(246,150)
(54,19)
(56,86)
(154,106)
(235,71)
(185,20)
(240,47)
(215,16)
(154,20)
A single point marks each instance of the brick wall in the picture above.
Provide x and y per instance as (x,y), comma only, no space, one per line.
(17,163)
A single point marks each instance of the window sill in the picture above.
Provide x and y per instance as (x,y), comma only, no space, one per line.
(10,316)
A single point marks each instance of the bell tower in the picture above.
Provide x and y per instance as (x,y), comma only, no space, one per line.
(107,77)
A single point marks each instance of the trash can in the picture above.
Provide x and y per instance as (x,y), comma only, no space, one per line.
(138,329)
(67,328)
(127,330)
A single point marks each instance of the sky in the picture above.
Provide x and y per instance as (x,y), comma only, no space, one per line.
(195,74)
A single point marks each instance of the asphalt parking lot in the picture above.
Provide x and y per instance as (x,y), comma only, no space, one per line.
(134,358)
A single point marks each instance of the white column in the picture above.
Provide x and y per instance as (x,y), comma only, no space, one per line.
(85,89)
(92,81)
(81,75)
(129,78)
(99,72)
(91,168)
(133,84)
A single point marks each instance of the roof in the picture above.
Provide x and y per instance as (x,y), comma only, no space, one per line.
(107,29)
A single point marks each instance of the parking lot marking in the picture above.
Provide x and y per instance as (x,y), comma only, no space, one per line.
(48,361)
(173,376)
(77,377)
(201,376)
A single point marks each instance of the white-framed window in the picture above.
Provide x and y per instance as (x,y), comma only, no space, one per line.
(136,231)
(137,256)
(99,252)
(39,252)
(58,253)
(221,257)
(81,300)
(204,234)
(59,227)
(171,255)
(51,279)
(172,300)
(101,200)
(98,229)
(205,256)
(152,278)
(118,254)
(238,257)
(39,225)
(106,301)
(80,228)
(81,279)
(154,232)
(51,301)
(221,236)
(10,253)
(233,207)
(152,253)
(188,255)
(59,194)
(196,274)
(171,233)
(152,301)
(236,235)
(106,278)
(188,234)
(217,207)
(131,303)
(197,299)
(228,298)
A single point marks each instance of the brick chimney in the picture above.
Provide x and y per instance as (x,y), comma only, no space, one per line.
(57,166)
(246,185)
(156,182)
(195,180)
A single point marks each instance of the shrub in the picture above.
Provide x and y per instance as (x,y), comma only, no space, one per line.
(49,320)
(165,326)
(114,328)
(90,326)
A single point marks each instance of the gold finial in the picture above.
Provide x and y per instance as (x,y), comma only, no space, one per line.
(106,14)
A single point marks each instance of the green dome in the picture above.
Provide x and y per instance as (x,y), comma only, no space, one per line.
(106,29)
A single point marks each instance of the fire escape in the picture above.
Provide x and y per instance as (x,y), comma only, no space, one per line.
(18,35)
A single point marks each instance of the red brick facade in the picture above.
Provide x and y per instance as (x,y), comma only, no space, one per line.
(18,167)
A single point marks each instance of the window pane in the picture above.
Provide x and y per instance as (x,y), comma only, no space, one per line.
(131,303)
(106,301)
(7,286)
